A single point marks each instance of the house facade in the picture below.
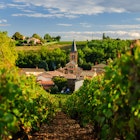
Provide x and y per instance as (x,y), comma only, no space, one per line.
(34,40)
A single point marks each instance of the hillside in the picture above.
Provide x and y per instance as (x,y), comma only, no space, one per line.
(63,45)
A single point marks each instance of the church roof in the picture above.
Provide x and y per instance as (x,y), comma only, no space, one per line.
(99,66)
(71,62)
(74,48)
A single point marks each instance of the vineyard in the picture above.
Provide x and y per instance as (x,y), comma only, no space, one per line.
(109,102)
(24,105)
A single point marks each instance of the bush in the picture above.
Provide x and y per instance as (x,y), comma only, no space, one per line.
(24,105)
(112,101)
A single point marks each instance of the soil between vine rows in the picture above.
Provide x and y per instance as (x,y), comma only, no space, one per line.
(63,127)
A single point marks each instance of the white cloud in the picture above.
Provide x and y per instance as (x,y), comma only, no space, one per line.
(74,9)
(131,26)
(116,10)
(69,9)
(3,20)
(18,6)
(63,24)
(88,7)
(38,15)
(138,19)
(87,35)
(86,25)
(2,6)
(28,11)
(134,34)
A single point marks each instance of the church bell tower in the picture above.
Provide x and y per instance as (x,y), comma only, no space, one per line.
(74,53)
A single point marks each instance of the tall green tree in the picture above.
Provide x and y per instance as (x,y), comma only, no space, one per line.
(47,37)
(60,82)
(57,38)
(36,36)
(17,36)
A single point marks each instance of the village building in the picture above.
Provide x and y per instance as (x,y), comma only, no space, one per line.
(32,71)
(35,41)
(72,72)
(99,68)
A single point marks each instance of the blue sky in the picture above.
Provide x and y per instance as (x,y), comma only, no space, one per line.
(72,19)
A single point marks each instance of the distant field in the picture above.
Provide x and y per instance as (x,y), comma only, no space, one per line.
(63,45)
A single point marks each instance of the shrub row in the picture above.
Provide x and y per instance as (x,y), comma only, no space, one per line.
(111,102)
(24,105)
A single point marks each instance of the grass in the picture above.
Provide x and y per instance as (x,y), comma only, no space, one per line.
(60,99)
(53,45)
(28,48)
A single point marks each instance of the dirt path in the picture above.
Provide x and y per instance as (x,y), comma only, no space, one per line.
(63,128)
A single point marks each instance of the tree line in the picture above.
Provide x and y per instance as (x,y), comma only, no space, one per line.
(21,40)
(95,51)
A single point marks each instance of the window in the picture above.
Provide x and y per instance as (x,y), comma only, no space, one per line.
(71,71)
(73,57)
(70,66)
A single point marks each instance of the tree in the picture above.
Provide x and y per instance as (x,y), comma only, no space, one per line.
(17,36)
(104,37)
(60,82)
(43,65)
(36,36)
(57,38)
(8,54)
(47,37)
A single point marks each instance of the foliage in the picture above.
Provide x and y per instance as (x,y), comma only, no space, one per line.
(47,59)
(60,82)
(75,104)
(54,89)
(111,101)
(20,40)
(17,36)
(57,38)
(23,104)
(36,36)
(89,53)
(44,65)
(8,54)
(49,38)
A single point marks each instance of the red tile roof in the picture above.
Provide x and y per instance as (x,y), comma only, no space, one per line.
(55,73)
(46,82)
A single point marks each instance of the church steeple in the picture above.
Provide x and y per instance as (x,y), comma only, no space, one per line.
(73,53)
(74,48)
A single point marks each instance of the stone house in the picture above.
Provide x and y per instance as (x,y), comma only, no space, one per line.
(34,40)
(99,68)
(32,71)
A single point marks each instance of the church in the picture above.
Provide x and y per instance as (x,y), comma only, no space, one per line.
(72,66)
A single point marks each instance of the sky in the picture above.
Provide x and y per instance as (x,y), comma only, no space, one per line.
(72,19)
